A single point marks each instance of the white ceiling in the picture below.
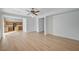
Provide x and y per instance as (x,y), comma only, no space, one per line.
(43,11)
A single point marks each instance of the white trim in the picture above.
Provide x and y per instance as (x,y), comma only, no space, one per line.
(65,36)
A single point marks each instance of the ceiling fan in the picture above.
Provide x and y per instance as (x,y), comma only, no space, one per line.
(33,11)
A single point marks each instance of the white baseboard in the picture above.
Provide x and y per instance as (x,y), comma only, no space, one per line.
(63,36)
(73,38)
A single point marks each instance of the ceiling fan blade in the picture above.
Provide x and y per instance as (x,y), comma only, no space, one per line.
(35,14)
(37,11)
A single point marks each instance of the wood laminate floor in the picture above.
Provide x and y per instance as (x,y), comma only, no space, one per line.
(19,41)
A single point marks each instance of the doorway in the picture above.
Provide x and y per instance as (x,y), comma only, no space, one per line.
(12,25)
(41,24)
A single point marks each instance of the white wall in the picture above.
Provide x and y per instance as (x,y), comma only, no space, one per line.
(49,24)
(66,25)
(31,24)
(24,24)
(35,24)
